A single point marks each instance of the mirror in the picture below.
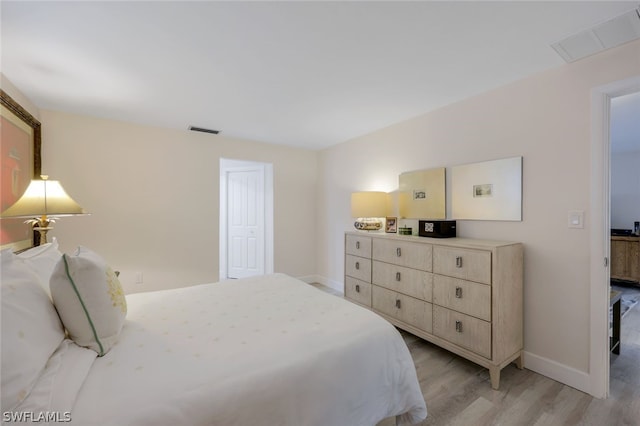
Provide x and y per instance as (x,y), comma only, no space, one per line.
(490,190)
(422,194)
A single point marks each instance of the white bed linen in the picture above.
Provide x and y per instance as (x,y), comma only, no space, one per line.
(259,351)
(57,388)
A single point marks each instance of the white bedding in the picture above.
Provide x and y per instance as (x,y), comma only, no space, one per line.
(258,351)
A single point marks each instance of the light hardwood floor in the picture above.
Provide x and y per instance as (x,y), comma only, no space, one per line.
(458,392)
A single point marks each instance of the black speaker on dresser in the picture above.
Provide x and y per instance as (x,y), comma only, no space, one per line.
(437,228)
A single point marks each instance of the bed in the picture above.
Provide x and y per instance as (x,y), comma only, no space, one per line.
(269,350)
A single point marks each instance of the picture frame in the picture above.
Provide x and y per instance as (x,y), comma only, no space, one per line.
(391,225)
(20,162)
(422,194)
(488,190)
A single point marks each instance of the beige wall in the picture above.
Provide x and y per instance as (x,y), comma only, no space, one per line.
(547,120)
(153,196)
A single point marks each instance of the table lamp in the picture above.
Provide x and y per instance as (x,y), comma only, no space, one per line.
(368,208)
(43,198)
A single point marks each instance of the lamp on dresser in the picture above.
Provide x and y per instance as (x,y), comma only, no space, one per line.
(43,201)
(368,208)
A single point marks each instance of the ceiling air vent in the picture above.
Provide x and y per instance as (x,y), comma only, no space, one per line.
(203,130)
(612,33)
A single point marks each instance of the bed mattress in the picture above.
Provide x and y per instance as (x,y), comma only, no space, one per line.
(268,350)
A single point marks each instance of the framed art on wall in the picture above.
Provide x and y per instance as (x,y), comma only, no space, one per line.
(489,190)
(422,194)
(20,162)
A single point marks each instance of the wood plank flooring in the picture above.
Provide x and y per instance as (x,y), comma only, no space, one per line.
(458,392)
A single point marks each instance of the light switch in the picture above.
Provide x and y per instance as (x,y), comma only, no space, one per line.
(576,219)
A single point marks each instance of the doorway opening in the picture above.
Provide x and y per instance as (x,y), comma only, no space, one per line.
(246,218)
(600,228)
(624,242)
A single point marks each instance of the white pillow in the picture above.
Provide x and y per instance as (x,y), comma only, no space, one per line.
(89,299)
(31,330)
(42,259)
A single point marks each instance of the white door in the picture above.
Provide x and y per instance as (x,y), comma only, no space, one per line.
(246,227)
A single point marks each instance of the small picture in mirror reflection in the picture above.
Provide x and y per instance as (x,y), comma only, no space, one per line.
(419,194)
(482,191)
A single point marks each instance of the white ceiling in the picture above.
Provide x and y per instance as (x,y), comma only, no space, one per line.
(308,74)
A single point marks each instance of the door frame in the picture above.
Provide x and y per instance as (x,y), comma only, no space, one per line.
(600,230)
(229,165)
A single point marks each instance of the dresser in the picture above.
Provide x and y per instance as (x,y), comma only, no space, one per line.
(625,258)
(464,295)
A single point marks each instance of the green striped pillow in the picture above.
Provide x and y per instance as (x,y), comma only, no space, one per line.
(89,300)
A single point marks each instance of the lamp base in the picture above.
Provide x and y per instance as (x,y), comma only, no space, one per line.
(368,224)
(43,233)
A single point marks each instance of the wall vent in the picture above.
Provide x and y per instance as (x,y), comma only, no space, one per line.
(203,130)
(614,32)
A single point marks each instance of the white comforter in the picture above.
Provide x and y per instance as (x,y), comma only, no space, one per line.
(259,351)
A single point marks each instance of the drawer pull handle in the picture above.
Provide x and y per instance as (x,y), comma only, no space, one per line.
(398,303)
(397,276)
(459,326)
(358,245)
(458,261)
(458,292)
(358,265)
(398,252)
(357,288)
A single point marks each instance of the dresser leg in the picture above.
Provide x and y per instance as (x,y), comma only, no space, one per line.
(519,362)
(494,374)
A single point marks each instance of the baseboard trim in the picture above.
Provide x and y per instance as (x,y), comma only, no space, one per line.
(547,367)
(335,285)
(559,372)
(308,279)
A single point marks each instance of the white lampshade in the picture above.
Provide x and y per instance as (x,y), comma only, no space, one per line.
(44,197)
(369,204)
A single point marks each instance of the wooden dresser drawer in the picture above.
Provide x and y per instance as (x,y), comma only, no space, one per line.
(404,308)
(463,330)
(358,246)
(403,253)
(412,282)
(463,296)
(358,291)
(468,264)
(358,267)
